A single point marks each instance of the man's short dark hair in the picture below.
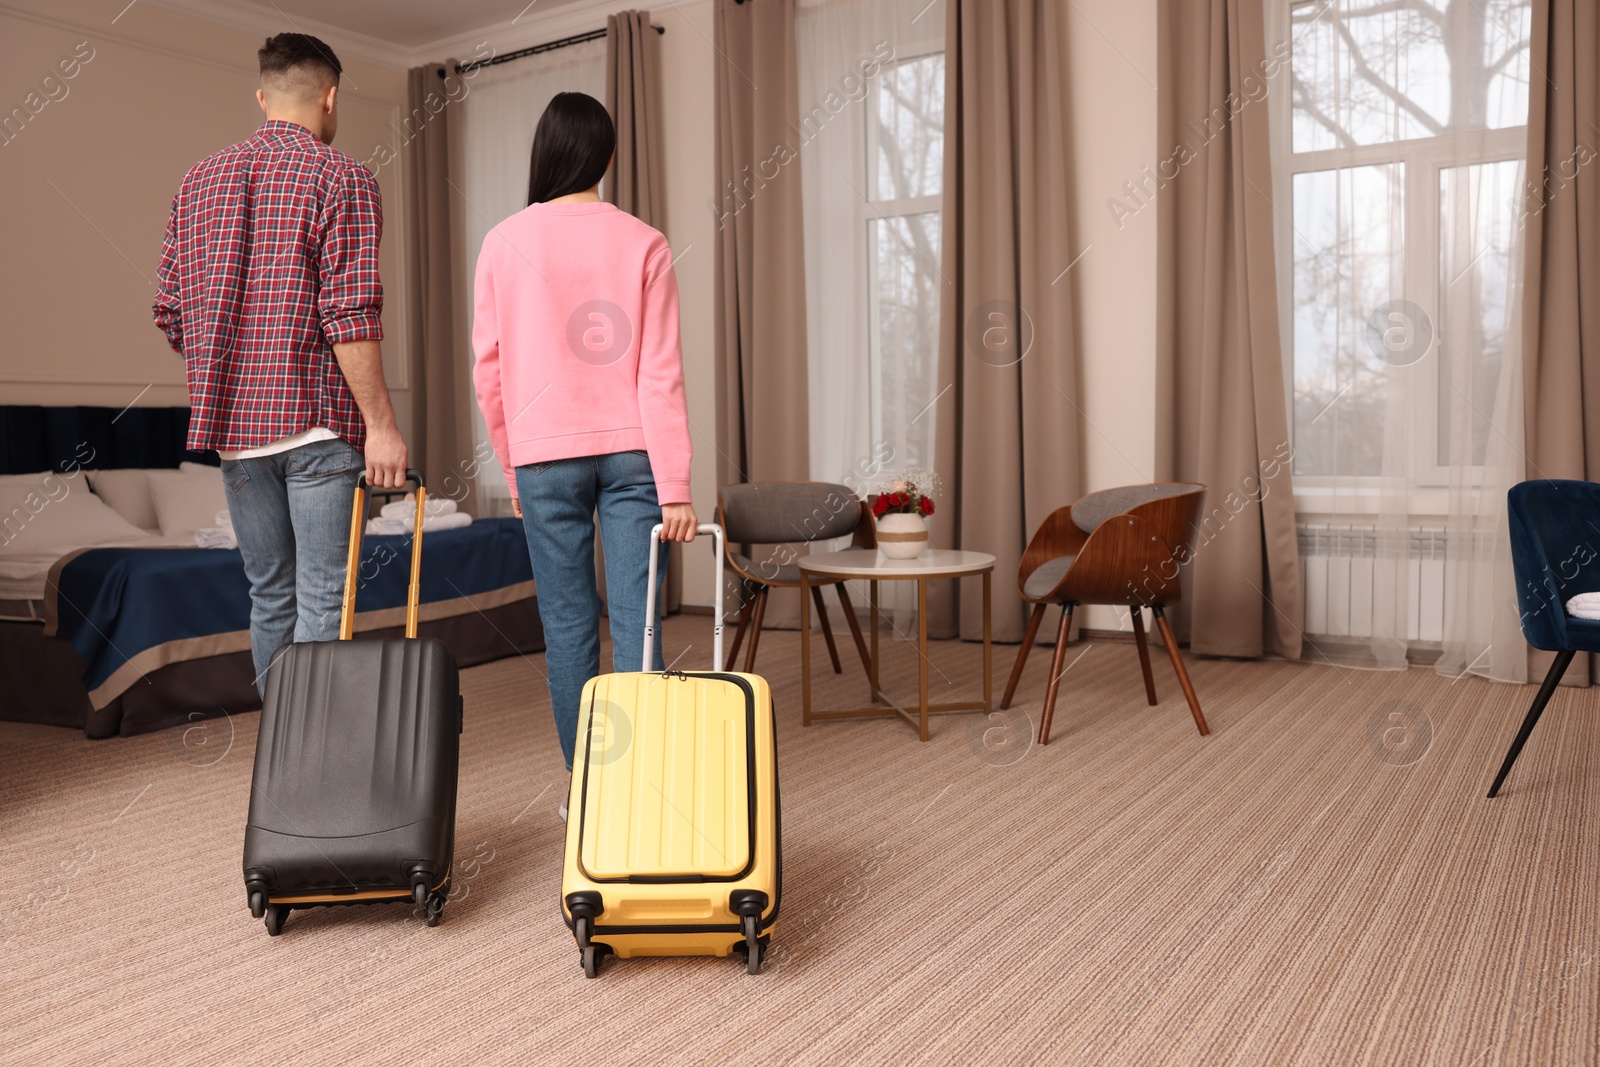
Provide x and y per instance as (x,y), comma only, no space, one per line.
(292,57)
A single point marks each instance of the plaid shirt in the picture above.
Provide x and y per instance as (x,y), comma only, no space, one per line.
(270,258)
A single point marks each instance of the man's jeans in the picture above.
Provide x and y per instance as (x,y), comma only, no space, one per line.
(291,513)
(559,502)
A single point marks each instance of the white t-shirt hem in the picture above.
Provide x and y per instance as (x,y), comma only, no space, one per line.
(282,444)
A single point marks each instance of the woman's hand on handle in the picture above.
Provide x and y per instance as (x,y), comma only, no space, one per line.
(516,506)
(679,522)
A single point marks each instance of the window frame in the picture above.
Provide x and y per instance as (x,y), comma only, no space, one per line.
(1424,161)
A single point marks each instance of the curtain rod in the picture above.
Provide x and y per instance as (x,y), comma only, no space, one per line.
(548,46)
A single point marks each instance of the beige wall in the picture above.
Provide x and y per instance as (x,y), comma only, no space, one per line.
(88,183)
(163,90)
(1113,71)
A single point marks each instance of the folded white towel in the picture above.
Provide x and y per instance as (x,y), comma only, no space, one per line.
(385,525)
(382,527)
(223,519)
(216,537)
(407,508)
(1582,606)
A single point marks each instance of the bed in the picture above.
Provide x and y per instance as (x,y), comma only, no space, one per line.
(117,628)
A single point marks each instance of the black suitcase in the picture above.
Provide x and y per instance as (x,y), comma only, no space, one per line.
(354,795)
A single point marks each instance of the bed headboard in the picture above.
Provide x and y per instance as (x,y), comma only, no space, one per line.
(58,438)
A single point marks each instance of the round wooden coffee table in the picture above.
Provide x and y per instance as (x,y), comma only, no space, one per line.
(870,565)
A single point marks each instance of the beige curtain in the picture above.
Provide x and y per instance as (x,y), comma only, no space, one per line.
(1561,287)
(633,86)
(761,309)
(441,396)
(1221,415)
(634,182)
(1561,294)
(762,413)
(1008,436)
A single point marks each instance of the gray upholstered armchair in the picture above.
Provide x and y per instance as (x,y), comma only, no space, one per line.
(784,513)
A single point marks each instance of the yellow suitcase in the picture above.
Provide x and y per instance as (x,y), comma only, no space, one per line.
(673,824)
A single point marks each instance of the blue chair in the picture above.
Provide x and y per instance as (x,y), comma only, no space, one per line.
(1555,553)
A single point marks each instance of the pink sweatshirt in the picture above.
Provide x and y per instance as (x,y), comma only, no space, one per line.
(575,327)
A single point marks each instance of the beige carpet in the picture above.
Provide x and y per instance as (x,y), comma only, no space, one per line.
(1320,881)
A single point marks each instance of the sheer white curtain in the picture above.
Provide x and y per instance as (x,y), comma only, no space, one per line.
(497,120)
(1399,140)
(871,148)
(871,159)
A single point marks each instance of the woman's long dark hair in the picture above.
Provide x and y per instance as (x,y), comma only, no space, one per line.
(572,147)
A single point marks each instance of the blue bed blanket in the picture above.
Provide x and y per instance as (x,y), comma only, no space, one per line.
(128,611)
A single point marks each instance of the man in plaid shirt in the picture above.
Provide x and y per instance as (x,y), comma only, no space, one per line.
(269,289)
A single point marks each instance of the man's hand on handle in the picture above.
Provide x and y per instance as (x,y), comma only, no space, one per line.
(361,362)
(679,522)
(386,458)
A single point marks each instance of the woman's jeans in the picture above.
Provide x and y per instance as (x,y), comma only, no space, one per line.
(559,502)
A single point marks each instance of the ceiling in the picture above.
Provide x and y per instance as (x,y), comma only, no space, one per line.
(411,24)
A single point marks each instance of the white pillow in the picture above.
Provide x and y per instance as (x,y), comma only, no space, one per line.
(187,500)
(128,494)
(51,514)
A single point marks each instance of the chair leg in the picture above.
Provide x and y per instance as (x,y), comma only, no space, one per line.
(755,629)
(1552,676)
(827,630)
(1144,653)
(855,627)
(1056,670)
(744,621)
(1022,655)
(1177,665)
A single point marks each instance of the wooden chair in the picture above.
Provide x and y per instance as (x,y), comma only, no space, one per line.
(1117,546)
(784,513)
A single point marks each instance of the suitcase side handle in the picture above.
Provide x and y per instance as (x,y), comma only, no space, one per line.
(358,526)
(650,596)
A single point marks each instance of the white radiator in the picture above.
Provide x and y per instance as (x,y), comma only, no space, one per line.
(1342,577)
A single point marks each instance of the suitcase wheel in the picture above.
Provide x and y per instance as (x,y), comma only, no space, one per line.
(276,913)
(743,949)
(752,945)
(430,906)
(592,955)
(258,904)
(582,929)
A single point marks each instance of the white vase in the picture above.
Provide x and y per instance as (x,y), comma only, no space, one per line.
(902,535)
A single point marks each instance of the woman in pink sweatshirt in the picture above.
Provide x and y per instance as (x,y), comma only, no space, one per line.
(580,378)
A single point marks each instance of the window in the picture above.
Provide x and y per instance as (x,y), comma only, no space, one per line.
(904,164)
(1405,140)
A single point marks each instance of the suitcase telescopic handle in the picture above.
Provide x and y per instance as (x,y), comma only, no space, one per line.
(413,477)
(358,525)
(650,596)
